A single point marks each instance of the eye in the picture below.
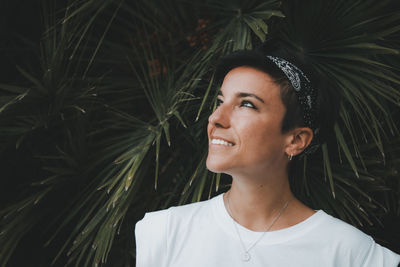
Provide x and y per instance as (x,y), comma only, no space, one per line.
(219,102)
(248,104)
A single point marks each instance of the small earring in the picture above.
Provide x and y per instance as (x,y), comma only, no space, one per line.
(290,157)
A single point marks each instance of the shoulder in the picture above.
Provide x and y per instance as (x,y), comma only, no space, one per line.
(343,232)
(355,246)
(153,232)
(158,221)
(191,210)
(151,239)
(153,223)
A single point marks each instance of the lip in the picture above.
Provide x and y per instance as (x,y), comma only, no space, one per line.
(221,138)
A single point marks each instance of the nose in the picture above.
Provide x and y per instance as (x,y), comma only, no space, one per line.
(220,117)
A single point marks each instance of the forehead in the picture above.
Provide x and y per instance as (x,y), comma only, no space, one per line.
(250,80)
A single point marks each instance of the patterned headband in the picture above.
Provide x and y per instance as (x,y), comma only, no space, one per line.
(306,95)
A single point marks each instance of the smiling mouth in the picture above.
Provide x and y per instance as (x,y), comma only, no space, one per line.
(221,142)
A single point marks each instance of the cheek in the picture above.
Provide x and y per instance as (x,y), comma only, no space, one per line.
(261,138)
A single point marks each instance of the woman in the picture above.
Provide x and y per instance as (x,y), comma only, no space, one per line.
(268,114)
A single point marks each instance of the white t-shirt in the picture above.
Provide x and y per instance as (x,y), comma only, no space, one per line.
(202,235)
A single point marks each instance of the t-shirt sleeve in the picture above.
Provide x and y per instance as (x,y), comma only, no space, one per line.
(151,239)
(377,255)
(352,247)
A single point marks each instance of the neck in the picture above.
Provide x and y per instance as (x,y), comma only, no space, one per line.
(255,201)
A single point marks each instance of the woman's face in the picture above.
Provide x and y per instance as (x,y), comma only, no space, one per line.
(248,116)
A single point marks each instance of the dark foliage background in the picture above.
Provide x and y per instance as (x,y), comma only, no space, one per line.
(104,106)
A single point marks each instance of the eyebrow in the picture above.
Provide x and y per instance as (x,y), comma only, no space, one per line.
(242,94)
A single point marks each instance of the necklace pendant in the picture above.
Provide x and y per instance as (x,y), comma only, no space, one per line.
(246,256)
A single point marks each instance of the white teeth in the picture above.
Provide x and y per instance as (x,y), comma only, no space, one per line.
(220,142)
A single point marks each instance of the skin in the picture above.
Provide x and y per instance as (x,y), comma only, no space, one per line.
(258,159)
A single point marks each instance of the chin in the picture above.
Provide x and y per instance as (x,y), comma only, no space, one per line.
(215,165)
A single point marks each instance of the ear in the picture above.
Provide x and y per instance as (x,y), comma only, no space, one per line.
(298,140)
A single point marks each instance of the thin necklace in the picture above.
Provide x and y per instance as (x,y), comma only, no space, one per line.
(246,254)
